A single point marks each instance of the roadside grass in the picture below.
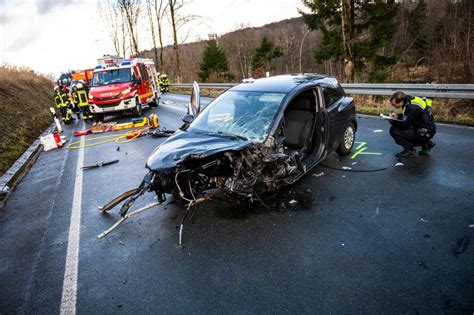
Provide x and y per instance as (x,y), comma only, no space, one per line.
(444,110)
(24,101)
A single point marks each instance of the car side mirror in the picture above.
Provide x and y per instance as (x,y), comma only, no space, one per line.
(188,118)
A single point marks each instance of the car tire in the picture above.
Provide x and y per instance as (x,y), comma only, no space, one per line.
(137,111)
(347,140)
(98,117)
(155,101)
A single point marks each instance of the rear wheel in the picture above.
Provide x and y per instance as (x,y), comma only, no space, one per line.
(155,101)
(347,140)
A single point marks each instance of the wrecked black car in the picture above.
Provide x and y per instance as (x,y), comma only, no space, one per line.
(254,138)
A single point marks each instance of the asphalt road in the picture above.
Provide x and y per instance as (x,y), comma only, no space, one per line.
(381,241)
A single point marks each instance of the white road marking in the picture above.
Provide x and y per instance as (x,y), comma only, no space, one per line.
(69,296)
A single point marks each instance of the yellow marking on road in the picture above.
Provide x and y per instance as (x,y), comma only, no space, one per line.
(361,150)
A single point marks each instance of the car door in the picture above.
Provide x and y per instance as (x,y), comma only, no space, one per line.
(194,106)
(322,128)
(337,119)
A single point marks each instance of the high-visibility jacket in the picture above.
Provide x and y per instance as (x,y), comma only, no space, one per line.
(80,98)
(425,105)
(61,99)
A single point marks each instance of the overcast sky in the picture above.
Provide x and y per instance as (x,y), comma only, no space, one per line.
(51,36)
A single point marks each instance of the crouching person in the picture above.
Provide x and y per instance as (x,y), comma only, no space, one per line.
(415,125)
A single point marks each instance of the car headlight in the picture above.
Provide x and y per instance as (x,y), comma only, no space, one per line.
(125,92)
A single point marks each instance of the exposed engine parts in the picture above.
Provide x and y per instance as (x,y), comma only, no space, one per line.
(254,169)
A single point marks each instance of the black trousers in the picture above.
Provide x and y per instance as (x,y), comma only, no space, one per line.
(408,138)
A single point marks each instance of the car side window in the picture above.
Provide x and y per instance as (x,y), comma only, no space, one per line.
(331,95)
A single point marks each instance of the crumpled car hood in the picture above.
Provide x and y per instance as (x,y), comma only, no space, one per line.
(181,145)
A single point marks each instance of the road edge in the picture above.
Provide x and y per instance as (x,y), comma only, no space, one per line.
(18,170)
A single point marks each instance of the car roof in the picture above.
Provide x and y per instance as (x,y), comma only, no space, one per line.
(288,82)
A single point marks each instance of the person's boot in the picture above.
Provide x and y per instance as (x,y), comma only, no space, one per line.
(425,149)
(406,153)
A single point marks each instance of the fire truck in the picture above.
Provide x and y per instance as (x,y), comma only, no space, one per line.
(121,85)
(85,75)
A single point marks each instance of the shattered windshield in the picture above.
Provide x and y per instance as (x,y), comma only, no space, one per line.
(112,77)
(240,114)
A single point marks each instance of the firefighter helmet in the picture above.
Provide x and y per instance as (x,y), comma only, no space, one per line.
(79,85)
(56,88)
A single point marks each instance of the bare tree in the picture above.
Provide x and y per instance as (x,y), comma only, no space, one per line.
(160,12)
(347,37)
(152,28)
(131,10)
(175,5)
(111,14)
(177,21)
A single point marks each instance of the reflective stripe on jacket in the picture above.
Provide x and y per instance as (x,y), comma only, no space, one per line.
(80,98)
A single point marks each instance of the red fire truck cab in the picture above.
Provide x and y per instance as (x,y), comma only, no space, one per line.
(123,85)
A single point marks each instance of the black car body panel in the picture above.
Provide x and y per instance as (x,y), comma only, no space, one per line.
(253,138)
(185,145)
(244,166)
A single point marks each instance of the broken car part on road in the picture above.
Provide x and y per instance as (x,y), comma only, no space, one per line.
(99,164)
(254,138)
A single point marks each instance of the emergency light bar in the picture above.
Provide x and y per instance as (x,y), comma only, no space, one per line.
(110,61)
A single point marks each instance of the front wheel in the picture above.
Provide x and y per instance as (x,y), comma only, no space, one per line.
(98,117)
(137,111)
(347,140)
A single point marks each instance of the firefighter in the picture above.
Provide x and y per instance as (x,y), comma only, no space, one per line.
(62,103)
(415,125)
(164,83)
(81,100)
(75,102)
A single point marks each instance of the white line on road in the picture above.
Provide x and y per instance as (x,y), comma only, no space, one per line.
(68,300)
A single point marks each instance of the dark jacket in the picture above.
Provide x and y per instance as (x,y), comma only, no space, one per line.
(414,117)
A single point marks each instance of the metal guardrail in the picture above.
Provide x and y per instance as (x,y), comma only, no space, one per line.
(458,91)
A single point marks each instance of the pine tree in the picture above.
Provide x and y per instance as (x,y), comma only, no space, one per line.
(368,28)
(214,63)
(264,54)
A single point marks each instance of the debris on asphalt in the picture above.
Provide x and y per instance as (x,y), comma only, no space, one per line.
(118,149)
(343,176)
(354,163)
(308,190)
(161,133)
(378,130)
(426,236)
(52,141)
(462,245)
(399,164)
(121,242)
(423,265)
(292,202)
(471,225)
(423,220)
(318,174)
(346,168)
(342,244)
(99,164)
